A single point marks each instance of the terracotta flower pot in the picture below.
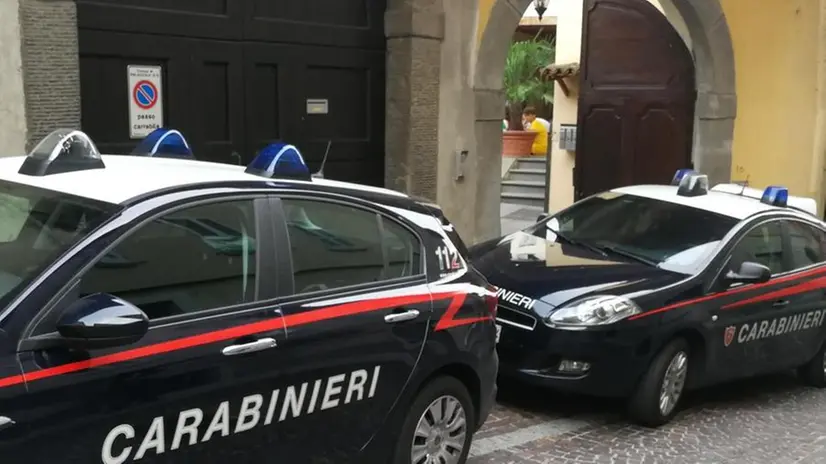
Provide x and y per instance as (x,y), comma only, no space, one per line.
(517,143)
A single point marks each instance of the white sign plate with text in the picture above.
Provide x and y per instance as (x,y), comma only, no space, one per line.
(145,99)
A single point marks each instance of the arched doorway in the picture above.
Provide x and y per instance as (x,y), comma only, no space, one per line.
(636,98)
(714,105)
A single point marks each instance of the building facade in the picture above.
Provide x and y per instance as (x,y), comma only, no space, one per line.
(408,93)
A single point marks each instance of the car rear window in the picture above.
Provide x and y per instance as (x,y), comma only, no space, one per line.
(447,226)
(36,227)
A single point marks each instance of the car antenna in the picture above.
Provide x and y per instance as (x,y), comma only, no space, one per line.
(745,184)
(320,173)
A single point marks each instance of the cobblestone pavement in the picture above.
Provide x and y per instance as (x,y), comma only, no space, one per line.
(764,420)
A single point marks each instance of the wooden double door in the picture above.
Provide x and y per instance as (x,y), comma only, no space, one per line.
(238,75)
(636,100)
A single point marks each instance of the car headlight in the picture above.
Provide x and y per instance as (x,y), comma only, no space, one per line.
(594,311)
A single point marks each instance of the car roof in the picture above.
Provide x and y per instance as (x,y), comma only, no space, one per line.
(126,177)
(727,204)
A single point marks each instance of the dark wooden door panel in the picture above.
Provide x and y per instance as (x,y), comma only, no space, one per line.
(603,161)
(631,45)
(231,98)
(636,103)
(104,57)
(339,23)
(660,131)
(217,96)
(352,82)
(218,19)
(272,75)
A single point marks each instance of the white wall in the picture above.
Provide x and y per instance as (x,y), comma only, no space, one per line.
(12,99)
(568,44)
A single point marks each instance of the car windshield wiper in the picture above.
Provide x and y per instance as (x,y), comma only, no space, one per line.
(628,254)
(571,241)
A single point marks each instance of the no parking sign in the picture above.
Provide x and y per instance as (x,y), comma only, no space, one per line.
(145,100)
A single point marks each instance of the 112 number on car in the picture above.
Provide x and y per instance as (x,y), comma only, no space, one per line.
(448,259)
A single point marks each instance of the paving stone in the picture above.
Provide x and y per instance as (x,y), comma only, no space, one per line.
(765,420)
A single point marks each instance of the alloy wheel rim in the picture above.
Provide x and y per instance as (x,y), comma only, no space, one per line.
(673,383)
(439,437)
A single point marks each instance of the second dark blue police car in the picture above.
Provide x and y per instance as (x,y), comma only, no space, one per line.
(645,291)
(163,310)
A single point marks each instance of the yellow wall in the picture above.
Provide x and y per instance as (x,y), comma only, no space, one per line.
(485,7)
(775,55)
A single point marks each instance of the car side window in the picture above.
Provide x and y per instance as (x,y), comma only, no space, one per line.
(763,245)
(198,258)
(808,244)
(334,245)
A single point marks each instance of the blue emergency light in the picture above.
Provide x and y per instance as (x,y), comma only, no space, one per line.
(680,174)
(63,150)
(279,160)
(775,195)
(164,143)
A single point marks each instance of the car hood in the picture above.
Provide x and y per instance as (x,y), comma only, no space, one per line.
(533,273)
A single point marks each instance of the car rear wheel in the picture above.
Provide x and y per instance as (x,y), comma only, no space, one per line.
(814,372)
(655,401)
(439,426)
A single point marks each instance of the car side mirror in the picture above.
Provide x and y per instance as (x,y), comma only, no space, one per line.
(101,320)
(749,273)
(542,217)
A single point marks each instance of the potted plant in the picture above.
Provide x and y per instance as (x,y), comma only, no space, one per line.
(524,85)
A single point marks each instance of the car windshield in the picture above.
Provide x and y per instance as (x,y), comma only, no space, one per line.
(668,235)
(36,227)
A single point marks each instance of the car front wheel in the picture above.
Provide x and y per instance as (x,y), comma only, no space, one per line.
(438,428)
(655,401)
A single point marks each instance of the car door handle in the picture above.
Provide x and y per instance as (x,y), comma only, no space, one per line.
(252,347)
(780,303)
(403,316)
(5,422)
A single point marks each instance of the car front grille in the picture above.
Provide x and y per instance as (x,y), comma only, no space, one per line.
(515,318)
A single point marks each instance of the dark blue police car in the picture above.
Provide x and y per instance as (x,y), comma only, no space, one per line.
(643,291)
(162,310)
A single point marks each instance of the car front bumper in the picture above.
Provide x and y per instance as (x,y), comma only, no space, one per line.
(615,363)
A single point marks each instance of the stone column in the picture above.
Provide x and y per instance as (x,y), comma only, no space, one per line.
(713,135)
(51,66)
(12,102)
(414,30)
(716,106)
(817,179)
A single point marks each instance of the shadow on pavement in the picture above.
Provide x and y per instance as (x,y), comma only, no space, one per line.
(732,395)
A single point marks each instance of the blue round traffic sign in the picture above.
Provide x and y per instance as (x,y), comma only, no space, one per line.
(145,94)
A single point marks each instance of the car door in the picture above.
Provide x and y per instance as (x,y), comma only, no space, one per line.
(802,330)
(736,344)
(198,386)
(357,312)
(12,390)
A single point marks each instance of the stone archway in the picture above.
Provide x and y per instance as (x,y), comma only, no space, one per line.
(715,107)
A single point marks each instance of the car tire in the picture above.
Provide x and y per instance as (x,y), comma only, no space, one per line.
(447,391)
(648,406)
(814,372)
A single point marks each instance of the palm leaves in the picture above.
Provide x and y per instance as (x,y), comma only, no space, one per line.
(522,81)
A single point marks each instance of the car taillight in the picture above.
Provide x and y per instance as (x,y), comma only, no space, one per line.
(492,301)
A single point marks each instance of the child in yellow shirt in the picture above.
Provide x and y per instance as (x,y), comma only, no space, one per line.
(540,143)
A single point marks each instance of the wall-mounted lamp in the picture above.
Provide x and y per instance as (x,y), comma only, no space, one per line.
(541,6)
